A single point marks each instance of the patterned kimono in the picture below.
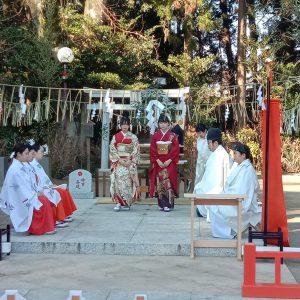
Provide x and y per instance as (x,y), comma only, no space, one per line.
(124,187)
(163,181)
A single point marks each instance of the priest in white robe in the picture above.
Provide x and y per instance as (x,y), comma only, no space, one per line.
(203,152)
(242,180)
(216,170)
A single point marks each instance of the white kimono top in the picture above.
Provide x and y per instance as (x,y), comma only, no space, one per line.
(243,181)
(43,182)
(203,154)
(19,196)
(215,174)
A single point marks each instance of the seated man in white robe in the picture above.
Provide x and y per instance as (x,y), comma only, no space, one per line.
(242,180)
(203,152)
(216,169)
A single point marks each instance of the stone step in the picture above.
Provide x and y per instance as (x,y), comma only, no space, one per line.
(134,249)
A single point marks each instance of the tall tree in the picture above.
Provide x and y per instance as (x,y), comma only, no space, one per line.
(226,40)
(241,59)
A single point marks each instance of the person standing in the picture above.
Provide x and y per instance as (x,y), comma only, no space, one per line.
(124,157)
(203,152)
(164,156)
(243,181)
(216,170)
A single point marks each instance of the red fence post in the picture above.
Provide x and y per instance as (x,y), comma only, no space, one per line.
(249,264)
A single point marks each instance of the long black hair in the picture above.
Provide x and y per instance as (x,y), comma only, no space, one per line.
(200,127)
(36,146)
(19,148)
(163,119)
(243,149)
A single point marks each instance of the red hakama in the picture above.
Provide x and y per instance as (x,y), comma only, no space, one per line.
(67,203)
(42,219)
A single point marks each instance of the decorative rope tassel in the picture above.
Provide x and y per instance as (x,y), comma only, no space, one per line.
(47,109)
(58,105)
(79,103)
(90,102)
(65,105)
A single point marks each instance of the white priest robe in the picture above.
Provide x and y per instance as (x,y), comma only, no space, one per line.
(203,154)
(18,196)
(43,182)
(242,180)
(214,177)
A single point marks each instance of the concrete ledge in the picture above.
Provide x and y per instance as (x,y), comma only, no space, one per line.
(116,249)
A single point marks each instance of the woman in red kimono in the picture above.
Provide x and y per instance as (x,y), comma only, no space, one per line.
(164,156)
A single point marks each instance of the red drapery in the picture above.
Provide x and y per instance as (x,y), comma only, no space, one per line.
(276,212)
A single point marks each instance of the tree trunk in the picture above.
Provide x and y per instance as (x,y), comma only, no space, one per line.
(253,35)
(241,58)
(95,9)
(36,11)
(225,38)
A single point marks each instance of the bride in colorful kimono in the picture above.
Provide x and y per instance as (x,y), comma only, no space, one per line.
(124,157)
(164,156)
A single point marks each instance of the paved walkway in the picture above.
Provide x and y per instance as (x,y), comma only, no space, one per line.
(144,242)
(101,277)
(97,229)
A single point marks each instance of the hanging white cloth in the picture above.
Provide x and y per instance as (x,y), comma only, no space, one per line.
(242,180)
(203,154)
(214,177)
(43,182)
(18,196)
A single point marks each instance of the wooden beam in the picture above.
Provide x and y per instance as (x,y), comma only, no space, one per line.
(118,106)
(97,93)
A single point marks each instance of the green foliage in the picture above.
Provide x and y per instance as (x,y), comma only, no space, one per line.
(104,56)
(250,137)
(185,70)
(290,157)
(106,79)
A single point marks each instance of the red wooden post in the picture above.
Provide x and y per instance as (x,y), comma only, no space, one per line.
(249,264)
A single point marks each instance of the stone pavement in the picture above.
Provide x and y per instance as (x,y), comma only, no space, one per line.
(112,277)
(148,252)
(97,229)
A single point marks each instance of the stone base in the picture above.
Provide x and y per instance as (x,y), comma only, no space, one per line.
(117,249)
(78,195)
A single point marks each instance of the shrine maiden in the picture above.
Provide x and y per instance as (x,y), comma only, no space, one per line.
(61,198)
(29,209)
(124,157)
(243,181)
(164,156)
(216,170)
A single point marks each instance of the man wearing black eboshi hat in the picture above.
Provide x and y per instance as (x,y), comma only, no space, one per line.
(216,169)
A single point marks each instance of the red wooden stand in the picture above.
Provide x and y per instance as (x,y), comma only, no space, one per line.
(252,289)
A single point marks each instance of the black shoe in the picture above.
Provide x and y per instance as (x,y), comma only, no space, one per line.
(198,213)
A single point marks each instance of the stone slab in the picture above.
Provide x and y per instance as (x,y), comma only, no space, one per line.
(143,230)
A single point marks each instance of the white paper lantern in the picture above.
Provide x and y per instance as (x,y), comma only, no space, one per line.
(65,55)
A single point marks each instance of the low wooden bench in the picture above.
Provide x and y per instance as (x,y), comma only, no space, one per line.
(211,199)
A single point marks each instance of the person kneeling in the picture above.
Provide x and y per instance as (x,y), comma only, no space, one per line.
(242,180)
(29,210)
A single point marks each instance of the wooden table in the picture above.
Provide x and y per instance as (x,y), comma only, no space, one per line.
(211,199)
